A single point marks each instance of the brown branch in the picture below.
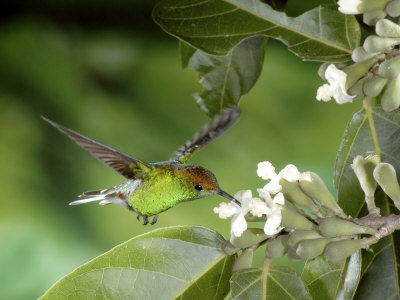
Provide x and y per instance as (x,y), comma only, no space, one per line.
(385,225)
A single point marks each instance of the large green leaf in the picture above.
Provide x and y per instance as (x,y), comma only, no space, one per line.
(216,26)
(275,282)
(372,130)
(175,262)
(225,79)
(326,280)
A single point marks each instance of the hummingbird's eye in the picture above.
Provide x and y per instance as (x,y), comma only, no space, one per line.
(198,187)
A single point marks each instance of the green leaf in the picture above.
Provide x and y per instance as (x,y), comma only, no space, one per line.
(321,34)
(225,79)
(372,130)
(175,262)
(326,280)
(275,282)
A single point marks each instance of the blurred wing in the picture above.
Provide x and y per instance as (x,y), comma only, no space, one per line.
(212,130)
(126,165)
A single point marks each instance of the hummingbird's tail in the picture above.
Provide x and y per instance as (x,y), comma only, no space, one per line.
(117,195)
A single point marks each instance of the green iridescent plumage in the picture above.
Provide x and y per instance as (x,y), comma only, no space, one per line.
(155,187)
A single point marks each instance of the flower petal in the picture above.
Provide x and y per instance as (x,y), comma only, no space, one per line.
(226,210)
(266,170)
(290,173)
(258,207)
(273,186)
(325,93)
(238,225)
(272,226)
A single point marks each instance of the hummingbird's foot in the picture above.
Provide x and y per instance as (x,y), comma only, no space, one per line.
(145,219)
(155,218)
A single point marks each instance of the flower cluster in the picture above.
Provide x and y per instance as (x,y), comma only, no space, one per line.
(372,10)
(302,218)
(376,69)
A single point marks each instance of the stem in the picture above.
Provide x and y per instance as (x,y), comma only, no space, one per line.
(265,268)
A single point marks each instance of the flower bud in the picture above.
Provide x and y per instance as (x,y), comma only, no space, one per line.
(390,68)
(385,175)
(314,187)
(244,261)
(301,235)
(393,8)
(373,43)
(356,71)
(363,168)
(359,54)
(374,86)
(338,251)
(249,237)
(277,247)
(391,97)
(387,28)
(322,69)
(357,89)
(354,7)
(332,227)
(228,248)
(292,219)
(309,249)
(293,193)
(370,18)
(292,255)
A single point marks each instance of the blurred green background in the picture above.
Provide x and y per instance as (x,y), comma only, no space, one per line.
(105,70)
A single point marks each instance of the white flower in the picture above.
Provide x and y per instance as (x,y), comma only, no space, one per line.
(226,210)
(350,7)
(267,171)
(274,216)
(336,87)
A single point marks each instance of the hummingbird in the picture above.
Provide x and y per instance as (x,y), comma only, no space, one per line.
(152,188)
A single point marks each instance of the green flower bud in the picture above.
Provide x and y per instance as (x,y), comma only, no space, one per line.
(228,248)
(374,86)
(293,193)
(338,251)
(309,249)
(370,18)
(359,54)
(322,69)
(390,68)
(250,237)
(356,71)
(391,97)
(393,8)
(292,219)
(244,261)
(374,44)
(277,247)
(292,255)
(332,227)
(357,89)
(363,168)
(387,28)
(354,7)
(385,175)
(314,187)
(301,235)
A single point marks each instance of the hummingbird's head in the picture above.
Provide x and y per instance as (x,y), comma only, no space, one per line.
(202,183)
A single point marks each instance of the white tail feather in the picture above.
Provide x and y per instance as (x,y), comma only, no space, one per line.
(91,199)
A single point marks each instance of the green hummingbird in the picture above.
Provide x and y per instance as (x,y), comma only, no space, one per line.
(152,188)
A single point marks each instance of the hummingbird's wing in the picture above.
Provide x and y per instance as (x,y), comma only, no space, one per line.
(218,125)
(126,165)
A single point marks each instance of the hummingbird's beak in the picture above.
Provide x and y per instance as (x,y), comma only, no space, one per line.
(226,195)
